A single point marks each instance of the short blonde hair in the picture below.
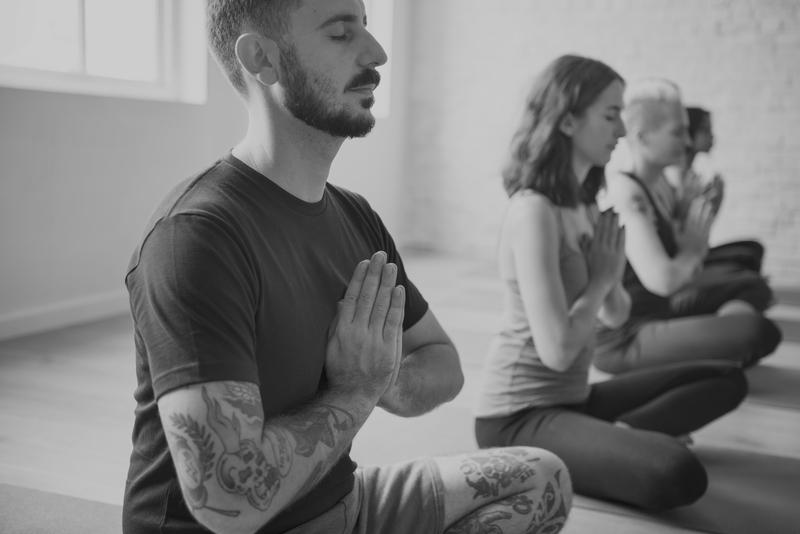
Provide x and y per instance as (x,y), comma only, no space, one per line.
(646,103)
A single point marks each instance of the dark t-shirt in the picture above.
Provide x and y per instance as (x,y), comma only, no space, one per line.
(236,279)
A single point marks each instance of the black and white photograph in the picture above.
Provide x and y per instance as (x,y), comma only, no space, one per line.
(399,267)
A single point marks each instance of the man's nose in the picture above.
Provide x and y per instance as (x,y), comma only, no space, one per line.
(374,55)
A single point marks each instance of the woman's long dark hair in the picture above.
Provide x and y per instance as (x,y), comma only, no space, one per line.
(541,155)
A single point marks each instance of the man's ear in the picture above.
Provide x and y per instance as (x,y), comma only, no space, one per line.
(568,125)
(259,57)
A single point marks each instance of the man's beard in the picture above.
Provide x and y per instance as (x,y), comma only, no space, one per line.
(308,103)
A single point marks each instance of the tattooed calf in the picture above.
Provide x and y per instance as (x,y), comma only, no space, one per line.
(483,521)
(551,514)
(488,473)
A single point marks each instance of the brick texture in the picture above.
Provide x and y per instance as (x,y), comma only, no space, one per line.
(473,61)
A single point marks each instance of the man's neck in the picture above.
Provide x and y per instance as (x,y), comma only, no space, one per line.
(290,153)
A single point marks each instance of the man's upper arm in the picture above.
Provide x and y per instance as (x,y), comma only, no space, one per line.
(228,474)
(193,301)
(426,331)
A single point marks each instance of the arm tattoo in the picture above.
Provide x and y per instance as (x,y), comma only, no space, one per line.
(242,467)
(488,473)
(244,397)
(640,205)
(197,467)
(319,428)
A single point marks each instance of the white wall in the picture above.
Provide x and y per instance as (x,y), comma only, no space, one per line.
(80,176)
(474,61)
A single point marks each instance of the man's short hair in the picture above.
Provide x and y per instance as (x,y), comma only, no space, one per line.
(647,103)
(228,19)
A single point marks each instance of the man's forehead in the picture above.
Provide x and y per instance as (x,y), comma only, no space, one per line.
(316,14)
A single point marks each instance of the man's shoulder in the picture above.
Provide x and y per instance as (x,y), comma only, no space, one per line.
(196,196)
(342,194)
(199,195)
(353,203)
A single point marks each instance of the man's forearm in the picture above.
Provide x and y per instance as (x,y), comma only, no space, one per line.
(428,377)
(239,469)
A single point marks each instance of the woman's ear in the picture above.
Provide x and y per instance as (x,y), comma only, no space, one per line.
(258,57)
(568,125)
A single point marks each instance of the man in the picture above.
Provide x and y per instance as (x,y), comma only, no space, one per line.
(273,314)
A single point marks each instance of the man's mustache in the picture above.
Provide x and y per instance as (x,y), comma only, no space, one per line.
(367,77)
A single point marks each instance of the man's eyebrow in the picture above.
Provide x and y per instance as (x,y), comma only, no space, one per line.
(344,17)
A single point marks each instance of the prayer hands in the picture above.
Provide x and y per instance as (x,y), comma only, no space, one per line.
(605,252)
(714,192)
(693,236)
(365,337)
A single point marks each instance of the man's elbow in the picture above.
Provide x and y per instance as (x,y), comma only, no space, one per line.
(225,525)
(227,520)
(456,383)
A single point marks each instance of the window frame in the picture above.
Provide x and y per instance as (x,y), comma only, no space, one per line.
(182,63)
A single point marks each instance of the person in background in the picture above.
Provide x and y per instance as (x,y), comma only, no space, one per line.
(682,309)
(561,263)
(273,314)
(691,181)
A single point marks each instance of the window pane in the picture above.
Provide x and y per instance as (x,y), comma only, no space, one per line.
(40,34)
(122,39)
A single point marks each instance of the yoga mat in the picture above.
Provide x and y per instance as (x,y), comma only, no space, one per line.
(774,386)
(28,511)
(748,493)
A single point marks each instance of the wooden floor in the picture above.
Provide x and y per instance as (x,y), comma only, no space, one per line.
(66,406)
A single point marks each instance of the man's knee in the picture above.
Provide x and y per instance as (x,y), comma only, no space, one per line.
(551,474)
(677,478)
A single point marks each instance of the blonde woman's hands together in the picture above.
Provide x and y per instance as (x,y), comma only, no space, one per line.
(693,234)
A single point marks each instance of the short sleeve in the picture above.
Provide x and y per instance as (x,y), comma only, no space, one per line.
(416,305)
(193,299)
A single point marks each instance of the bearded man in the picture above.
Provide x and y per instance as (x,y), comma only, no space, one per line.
(273,313)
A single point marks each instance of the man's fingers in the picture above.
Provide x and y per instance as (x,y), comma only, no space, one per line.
(384,295)
(394,317)
(369,289)
(348,303)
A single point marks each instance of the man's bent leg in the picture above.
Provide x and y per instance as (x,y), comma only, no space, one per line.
(512,490)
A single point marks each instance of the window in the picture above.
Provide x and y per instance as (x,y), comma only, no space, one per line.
(380,21)
(153,49)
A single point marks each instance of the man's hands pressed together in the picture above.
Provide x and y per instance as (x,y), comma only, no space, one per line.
(365,338)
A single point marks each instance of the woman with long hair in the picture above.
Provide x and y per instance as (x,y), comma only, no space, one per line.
(561,263)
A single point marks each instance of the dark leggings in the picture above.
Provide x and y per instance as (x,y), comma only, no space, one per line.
(742,254)
(691,329)
(644,465)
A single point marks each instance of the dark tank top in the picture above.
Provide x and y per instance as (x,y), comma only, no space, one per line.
(643,302)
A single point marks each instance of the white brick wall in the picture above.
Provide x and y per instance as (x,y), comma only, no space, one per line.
(472,62)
